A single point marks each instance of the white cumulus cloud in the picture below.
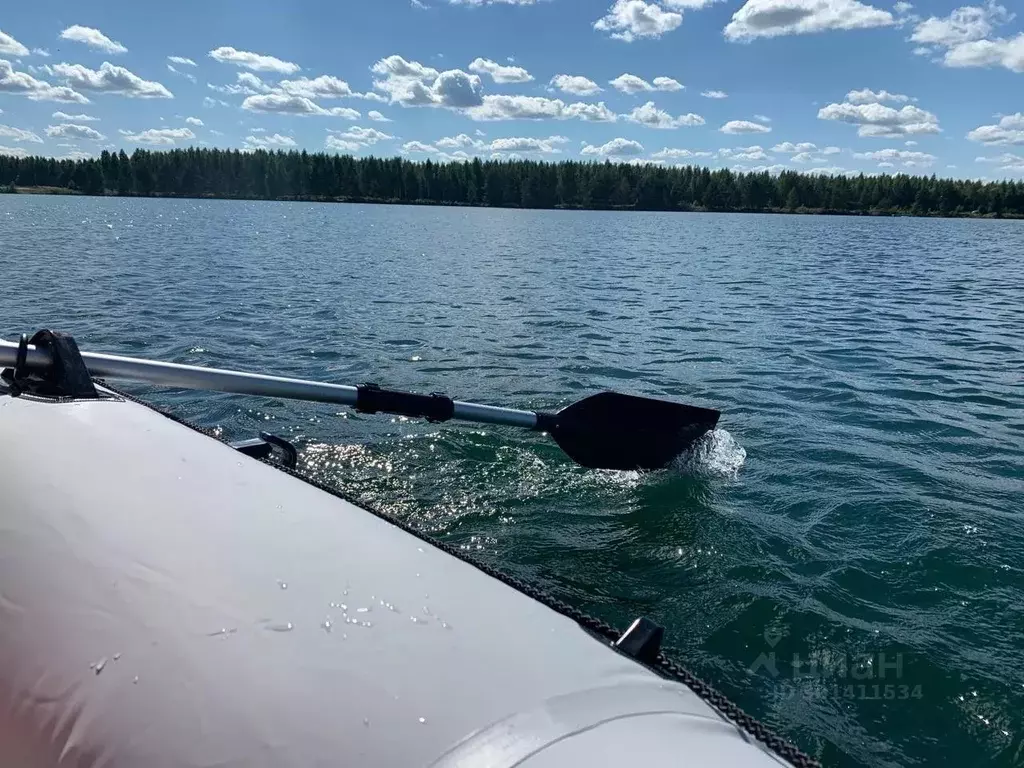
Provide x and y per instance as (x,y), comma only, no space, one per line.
(92,38)
(247,84)
(539,108)
(772,18)
(411,84)
(743,154)
(254,61)
(111,79)
(789,148)
(591,113)
(377,117)
(632,84)
(714,94)
(1009,130)
(575,84)
(13,81)
(72,131)
(273,141)
(615,148)
(193,121)
(363,136)
(462,141)
(1007,161)
(867,96)
(906,157)
(65,117)
(1007,53)
(968,36)
(342,145)
(546,146)
(878,120)
(667,84)
(679,154)
(961,26)
(418,146)
(629,20)
(653,117)
(285,104)
(158,136)
(10,46)
(744,126)
(499,72)
(18,134)
(322,87)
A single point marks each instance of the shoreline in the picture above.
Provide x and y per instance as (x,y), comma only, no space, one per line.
(800,211)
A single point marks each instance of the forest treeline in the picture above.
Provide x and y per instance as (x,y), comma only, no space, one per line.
(197,172)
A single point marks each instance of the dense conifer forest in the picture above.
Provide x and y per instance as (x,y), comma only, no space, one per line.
(518,184)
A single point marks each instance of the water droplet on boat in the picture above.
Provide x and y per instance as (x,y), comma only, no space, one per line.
(366,624)
(135,681)
(99,665)
(285,626)
(366,721)
(326,625)
(117,656)
(446,625)
(417,620)
(426,610)
(282,584)
(423,720)
(362,610)
(344,592)
(222,631)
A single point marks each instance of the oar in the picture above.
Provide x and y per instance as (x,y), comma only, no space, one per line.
(604,431)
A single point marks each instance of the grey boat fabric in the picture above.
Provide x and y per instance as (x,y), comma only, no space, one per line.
(166,602)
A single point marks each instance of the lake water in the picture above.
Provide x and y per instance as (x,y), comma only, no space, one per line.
(846,559)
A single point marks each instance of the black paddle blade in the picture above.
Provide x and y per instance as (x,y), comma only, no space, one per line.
(613,431)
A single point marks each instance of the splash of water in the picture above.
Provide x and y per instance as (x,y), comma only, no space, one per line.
(716,454)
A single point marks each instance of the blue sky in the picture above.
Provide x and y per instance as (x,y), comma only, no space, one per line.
(824,85)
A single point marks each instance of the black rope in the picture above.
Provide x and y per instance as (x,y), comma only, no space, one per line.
(662,665)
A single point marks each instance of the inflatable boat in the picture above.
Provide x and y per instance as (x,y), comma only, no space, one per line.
(169,600)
